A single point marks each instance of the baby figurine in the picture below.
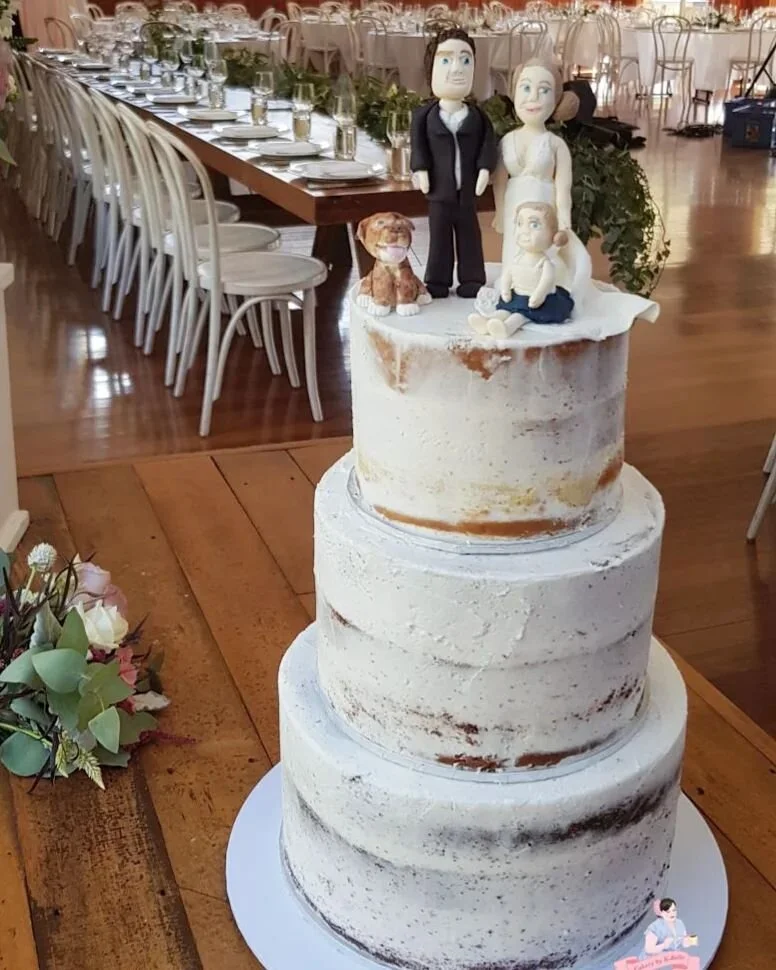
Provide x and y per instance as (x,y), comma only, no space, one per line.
(528,289)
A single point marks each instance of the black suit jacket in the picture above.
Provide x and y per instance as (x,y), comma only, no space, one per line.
(433,151)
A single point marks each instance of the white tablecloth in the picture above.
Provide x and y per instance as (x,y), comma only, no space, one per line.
(263,43)
(586,46)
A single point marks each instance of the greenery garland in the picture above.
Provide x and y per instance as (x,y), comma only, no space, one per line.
(611,199)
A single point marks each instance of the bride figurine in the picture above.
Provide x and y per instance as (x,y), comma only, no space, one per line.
(535,166)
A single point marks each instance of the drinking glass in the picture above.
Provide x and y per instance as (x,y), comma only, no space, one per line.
(217,75)
(345,117)
(149,55)
(303,103)
(398,131)
(195,71)
(262,90)
(169,63)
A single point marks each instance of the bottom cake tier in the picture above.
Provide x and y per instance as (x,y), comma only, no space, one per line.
(434,869)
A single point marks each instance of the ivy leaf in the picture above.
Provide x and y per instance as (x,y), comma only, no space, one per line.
(65,706)
(119,759)
(22,671)
(106,728)
(133,725)
(73,635)
(60,670)
(47,628)
(27,708)
(23,755)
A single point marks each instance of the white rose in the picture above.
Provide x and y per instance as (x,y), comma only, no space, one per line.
(105,626)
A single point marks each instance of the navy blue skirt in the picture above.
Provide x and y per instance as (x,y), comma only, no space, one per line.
(555,309)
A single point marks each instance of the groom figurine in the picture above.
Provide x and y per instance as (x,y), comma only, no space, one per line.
(454,151)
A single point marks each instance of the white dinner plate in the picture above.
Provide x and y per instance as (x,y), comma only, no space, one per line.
(51,51)
(91,66)
(290,149)
(337,171)
(249,132)
(177,97)
(145,87)
(208,114)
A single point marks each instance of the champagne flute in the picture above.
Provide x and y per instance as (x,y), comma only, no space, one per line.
(217,75)
(345,116)
(262,90)
(398,130)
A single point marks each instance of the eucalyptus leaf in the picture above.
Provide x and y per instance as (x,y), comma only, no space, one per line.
(23,755)
(105,682)
(60,670)
(119,759)
(73,635)
(47,628)
(22,671)
(106,729)
(65,706)
(89,706)
(27,708)
(133,725)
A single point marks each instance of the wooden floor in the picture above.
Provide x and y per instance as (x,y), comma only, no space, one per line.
(701,408)
(222,566)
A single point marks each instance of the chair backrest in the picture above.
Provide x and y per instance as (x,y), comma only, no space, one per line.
(538,9)
(26,102)
(170,154)
(117,162)
(151,197)
(761,36)
(527,39)
(82,24)
(234,10)
(372,37)
(59,33)
(131,10)
(95,11)
(671,35)
(84,119)
(570,46)
(288,45)
(609,38)
(271,18)
(439,11)
(294,10)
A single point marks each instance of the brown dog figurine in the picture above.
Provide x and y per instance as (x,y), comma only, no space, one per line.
(388,236)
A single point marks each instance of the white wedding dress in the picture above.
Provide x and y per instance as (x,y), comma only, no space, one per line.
(532,179)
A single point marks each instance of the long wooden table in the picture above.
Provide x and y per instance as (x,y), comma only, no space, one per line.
(134,877)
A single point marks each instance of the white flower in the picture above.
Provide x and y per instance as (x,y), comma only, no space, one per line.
(105,626)
(42,557)
(150,701)
(486,301)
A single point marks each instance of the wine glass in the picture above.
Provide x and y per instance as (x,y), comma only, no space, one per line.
(303,103)
(262,89)
(169,62)
(149,55)
(398,130)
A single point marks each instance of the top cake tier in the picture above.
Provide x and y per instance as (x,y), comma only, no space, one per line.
(517,439)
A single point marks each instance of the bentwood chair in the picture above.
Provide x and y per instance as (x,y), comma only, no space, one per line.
(671,38)
(95,11)
(768,496)
(762,33)
(270,280)
(59,33)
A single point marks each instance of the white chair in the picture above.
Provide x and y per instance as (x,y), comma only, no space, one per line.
(270,19)
(612,65)
(270,280)
(95,11)
(568,46)
(373,55)
(83,26)
(59,33)
(762,33)
(768,496)
(671,37)
(233,10)
(527,39)
(286,42)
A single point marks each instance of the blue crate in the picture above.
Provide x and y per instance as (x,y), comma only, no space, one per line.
(749,122)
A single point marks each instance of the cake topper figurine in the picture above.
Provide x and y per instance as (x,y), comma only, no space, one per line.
(454,151)
(535,166)
(391,282)
(528,284)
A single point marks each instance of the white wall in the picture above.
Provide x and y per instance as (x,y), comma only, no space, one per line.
(12,521)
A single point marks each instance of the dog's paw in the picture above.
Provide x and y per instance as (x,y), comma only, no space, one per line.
(424,299)
(407,309)
(379,309)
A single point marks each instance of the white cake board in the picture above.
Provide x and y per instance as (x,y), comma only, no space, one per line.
(283,934)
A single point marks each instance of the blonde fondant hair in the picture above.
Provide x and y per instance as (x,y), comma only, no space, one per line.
(566,102)
(548,211)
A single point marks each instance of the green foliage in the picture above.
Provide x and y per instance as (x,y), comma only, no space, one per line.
(22,671)
(20,44)
(60,670)
(611,201)
(133,725)
(241,66)
(73,634)
(376,103)
(106,728)
(24,755)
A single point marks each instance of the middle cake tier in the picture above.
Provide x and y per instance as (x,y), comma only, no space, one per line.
(484,661)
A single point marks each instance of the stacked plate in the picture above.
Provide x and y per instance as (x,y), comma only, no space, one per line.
(327,170)
(211,115)
(173,97)
(283,151)
(91,66)
(249,132)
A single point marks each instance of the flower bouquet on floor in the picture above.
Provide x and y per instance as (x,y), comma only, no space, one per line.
(76,690)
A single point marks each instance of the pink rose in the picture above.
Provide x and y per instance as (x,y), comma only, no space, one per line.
(94,584)
(127,668)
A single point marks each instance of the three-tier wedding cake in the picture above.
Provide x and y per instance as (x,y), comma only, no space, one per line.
(481,741)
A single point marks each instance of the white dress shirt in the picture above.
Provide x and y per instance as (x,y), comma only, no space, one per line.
(452,120)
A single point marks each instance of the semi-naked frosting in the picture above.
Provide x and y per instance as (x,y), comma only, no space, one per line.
(441,870)
(517,438)
(483,660)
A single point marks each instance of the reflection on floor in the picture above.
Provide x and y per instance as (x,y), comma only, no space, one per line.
(702,406)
